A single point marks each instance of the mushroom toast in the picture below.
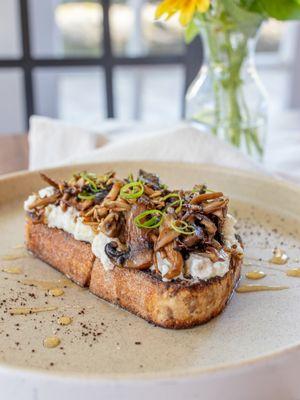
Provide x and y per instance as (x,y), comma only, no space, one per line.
(171,257)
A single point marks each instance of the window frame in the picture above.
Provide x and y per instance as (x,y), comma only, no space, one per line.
(191,59)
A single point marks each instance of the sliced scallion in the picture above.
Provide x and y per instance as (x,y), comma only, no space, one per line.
(132,190)
(183,227)
(178,202)
(90,178)
(149,219)
(86,196)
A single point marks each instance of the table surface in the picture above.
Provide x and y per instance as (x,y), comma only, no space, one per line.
(13,153)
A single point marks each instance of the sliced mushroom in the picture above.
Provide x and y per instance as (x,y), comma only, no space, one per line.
(110,226)
(206,196)
(116,205)
(138,240)
(176,261)
(193,240)
(112,251)
(50,181)
(151,179)
(43,202)
(100,196)
(213,206)
(166,236)
(166,233)
(114,191)
(209,225)
(84,205)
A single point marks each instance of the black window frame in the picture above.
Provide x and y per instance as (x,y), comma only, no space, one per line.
(191,60)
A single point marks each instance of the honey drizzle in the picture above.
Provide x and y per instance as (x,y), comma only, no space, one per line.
(51,342)
(48,285)
(30,310)
(258,288)
(13,270)
(294,272)
(255,275)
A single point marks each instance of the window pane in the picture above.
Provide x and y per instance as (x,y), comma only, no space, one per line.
(10,46)
(144,93)
(12,103)
(66,29)
(135,32)
(72,94)
(270,36)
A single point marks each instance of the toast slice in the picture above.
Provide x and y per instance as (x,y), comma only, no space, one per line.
(176,304)
(171,257)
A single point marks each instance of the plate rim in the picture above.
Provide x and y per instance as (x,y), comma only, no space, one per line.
(193,373)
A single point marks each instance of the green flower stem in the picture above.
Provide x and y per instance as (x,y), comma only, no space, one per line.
(226,63)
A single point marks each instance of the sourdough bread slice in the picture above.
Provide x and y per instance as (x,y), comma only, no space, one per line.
(176,304)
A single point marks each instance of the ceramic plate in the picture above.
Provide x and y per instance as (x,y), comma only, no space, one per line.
(104,343)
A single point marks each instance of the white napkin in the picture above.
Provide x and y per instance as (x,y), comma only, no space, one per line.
(55,143)
(52,141)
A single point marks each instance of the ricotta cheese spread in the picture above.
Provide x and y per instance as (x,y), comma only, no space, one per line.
(201,267)
(229,232)
(98,248)
(71,222)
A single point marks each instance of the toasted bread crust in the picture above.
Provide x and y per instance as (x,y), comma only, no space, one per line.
(177,304)
(59,249)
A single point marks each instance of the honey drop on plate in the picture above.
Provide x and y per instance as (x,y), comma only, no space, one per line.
(294,272)
(255,275)
(64,320)
(279,257)
(51,342)
(56,292)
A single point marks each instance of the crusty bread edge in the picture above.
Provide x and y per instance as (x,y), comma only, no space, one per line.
(173,305)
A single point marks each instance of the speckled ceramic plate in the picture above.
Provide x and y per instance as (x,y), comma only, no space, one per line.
(104,343)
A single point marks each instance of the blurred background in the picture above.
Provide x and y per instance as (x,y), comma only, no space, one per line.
(85,61)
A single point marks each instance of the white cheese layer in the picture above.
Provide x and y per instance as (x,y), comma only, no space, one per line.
(46,192)
(31,199)
(98,248)
(71,222)
(229,232)
(200,267)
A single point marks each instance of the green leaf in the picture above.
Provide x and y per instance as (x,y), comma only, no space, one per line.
(241,13)
(280,9)
(191,31)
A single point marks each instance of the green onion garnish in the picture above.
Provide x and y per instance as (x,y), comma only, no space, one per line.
(179,201)
(149,219)
(86,196)
(130,178)
(90,179)
(132,190)
(163,186)
(183,227)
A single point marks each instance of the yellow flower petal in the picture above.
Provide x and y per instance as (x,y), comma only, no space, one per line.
(186,8)
(203,5)
(166,7)
(187,12)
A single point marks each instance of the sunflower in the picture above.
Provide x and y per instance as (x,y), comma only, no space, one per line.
(186,8)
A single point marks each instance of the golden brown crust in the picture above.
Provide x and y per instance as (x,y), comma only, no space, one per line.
(176,304)
(59,249)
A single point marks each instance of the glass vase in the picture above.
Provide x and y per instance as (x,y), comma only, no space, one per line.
(227,97)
